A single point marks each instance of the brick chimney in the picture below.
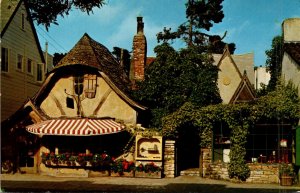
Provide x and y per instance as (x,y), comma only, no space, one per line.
(139,53)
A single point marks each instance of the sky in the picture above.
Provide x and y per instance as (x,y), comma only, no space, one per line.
(250,24)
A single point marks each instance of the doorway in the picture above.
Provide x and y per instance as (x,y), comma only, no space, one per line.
(187,148)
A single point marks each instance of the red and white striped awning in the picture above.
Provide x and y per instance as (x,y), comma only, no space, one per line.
(76,127)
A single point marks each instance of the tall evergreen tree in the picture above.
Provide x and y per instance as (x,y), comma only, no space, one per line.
(188,75)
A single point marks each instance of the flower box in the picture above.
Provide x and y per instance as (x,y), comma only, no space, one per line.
(286,180)
(122,174)
(142,174)
(100,173)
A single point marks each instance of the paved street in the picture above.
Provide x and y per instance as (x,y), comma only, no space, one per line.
(38,183)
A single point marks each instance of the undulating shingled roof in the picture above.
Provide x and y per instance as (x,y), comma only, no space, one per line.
(293,49)
(91,53)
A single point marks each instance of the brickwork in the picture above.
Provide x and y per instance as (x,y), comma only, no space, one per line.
(169,159)
(139,52)
(205,161)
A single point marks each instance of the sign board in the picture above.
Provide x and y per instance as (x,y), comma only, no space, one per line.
(148,148)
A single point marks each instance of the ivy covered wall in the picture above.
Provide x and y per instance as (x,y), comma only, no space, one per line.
(282,104)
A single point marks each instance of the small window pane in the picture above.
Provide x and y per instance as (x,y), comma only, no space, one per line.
(29,66)
(4,59)
(20,62)
(39,76)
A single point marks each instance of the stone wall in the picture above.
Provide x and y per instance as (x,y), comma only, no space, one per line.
(259,173)
(263,173)
(169,159)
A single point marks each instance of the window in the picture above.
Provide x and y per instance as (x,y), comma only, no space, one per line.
(29,66)
(39,72)
(19,62)
(70,102)
(222,143)
(78,85)
(23,21)
(90,85)
(4,59)
(269,143)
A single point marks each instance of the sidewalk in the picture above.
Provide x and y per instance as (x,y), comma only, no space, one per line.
(142,181)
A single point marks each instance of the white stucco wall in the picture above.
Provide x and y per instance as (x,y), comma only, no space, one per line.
(291,71)
(291,30)
(261,76)
(228,80)
(108,102)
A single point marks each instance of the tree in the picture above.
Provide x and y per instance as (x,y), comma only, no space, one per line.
(57,57)
(123,56)
(46,12)
(200,14)
(188,75)
(274,60)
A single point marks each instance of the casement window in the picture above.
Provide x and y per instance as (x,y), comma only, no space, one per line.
(4,59)
(29,66)
(90,85)
(19,65)
(78,85)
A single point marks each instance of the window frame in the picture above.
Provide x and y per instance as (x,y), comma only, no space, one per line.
(41,72)
(6,55)
(17,63)
(31,66)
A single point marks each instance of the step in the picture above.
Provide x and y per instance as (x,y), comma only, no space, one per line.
(190,172)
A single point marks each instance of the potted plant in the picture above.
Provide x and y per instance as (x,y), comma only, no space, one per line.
(148,170)
(286,174)
(122,167)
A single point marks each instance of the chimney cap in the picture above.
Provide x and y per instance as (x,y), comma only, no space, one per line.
(140,25)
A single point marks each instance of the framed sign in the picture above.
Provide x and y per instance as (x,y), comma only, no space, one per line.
(148,148)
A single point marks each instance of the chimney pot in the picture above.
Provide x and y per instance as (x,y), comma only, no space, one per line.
(140,25)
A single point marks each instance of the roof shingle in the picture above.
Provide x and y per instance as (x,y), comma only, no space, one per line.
(91,53)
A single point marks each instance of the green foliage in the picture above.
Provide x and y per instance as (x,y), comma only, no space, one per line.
(46,12)
(176,78)
(57,57)
(237,167)
(286,169)
(123,56)
(282,104)
(122,165)
(200,15)
(274,59)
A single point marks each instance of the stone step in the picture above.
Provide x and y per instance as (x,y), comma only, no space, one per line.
(190,172)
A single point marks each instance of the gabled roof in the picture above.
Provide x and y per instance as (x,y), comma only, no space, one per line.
(91,53)
(293,49)
(244,92)
(9,9)
(242,62)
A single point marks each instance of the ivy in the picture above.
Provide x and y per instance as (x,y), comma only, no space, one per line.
(282,104)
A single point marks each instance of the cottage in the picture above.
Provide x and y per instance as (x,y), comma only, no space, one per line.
(81,108)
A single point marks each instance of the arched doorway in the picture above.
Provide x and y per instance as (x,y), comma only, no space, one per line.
(187,148)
